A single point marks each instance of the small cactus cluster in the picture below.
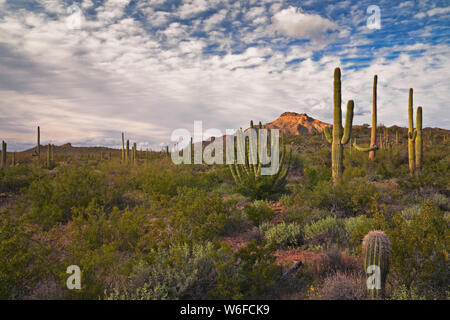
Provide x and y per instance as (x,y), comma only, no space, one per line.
(128,156)
(375,250)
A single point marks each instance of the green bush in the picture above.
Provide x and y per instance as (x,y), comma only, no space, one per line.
(12,179)
(249,273)
(284,235)
(175,273)
(258,212)
(419,256)
(326,232)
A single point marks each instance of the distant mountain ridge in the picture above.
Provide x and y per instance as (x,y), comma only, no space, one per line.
(293,123)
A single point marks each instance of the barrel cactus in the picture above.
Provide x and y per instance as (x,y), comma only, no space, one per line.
(376,249)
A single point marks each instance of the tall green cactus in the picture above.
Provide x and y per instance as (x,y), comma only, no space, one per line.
(419,140)
(123,147)
(38,147)
(13,162)
(376,249)
(49,157)
(127,153)
(4,151)
(340,136)
(412,134)
(373,133)
(134,153)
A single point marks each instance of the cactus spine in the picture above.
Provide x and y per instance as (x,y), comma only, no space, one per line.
(419,140)
(341,136)
(412,134)
(4,146)
(376,249)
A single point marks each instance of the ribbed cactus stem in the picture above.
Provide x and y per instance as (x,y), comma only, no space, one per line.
(340,136)
(4,151)
(411,135)
(373,134)
(419,140)
(123,147)
(376,248)
(49,158)
(134,153)
(38,147)
(13,159)
(127,153)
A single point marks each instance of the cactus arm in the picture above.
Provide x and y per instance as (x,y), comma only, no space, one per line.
(327,133)
(348,122)
(364,149)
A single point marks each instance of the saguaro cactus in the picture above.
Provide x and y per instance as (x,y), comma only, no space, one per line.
(13,162)
(123,147)
(4,146)
(373,134)
(376,248)
(134,153)
(49,157)
(38,147)
(340,136)
(412,134)
(127,153)
(419,140)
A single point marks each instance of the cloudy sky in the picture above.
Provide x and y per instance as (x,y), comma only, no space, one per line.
(149,67)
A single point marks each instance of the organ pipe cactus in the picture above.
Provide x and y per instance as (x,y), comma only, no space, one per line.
(419,140)
(340,136)
(376,249)
(412,134)
(248,175)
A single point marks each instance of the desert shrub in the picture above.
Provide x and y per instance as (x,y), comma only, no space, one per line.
(441,201)
(420,251)
(357,227)
(403,293)
(285,235)
(175,273)
(326,232)
(343,286)
(21,258)
(12,179)
(312,175)
(197,215)
(164,179)
(249,273)
(411,212)
(52,199)
(258,212)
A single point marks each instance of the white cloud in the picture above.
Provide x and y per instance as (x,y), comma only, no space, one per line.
(295,23)
(432,12)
